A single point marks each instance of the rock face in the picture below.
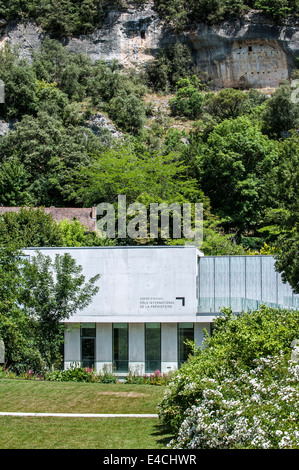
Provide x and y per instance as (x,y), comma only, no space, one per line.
(131,36)
(250,52)
(5,126)
(99,122)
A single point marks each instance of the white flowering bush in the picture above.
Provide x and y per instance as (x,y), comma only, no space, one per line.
(255,409)
(237,342)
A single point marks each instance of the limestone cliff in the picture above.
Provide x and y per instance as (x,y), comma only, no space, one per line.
(251,52)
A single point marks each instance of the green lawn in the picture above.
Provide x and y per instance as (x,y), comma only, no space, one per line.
(80,433)
(72,397)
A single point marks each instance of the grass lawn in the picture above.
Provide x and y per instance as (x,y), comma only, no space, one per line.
(80,433)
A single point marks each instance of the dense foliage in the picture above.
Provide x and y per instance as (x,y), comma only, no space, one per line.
(74,17)
(241,380)
(63,18)
(181,13)
(34,228)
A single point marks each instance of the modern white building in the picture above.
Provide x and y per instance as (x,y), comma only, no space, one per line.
(152,299)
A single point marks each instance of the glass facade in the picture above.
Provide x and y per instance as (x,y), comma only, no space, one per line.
(242,283)
(120,347)
(88,344)
(185,332)
(152,347)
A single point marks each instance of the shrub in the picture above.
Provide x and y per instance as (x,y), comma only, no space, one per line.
(76,373)
(6,373)
(188,100)
(237,342)
(255,409)
(156,378)
(170,64)
(226,104)
(127,111)
(73,374)
(107,378)
(134,378)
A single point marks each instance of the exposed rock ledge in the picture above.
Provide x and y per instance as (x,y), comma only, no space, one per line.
(250,52)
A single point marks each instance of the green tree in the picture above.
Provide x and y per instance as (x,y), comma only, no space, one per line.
(123,170)
(29,228)
(278,9)
(281,115)
(280,224)
(51,100)
(21,352)
(170,64)
(232,164)
(14,185)
(181,13)
(287,258)
(188,100)
(20,85)
(49,153)
(74,233)
(65,18)
(127,111)
(226,104)
(55,290)
(36,297)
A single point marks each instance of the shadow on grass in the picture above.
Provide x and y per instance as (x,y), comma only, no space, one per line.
(163,433)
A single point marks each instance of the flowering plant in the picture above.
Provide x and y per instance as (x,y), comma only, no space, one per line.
(253,409)
(238,340)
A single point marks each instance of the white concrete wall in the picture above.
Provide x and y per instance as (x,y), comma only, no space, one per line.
(104,347)
(169,347)
(72,346)
(137,284)
(136,348)
(199,332)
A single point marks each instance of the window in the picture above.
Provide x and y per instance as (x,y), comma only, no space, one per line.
(249,48)
(88,344)
(185,332)
(120,347)
(152,347)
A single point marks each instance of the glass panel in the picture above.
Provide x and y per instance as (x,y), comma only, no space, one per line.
(206,285)
(185,332)
(152,347)
(253,279)
(269,281)
(286,297)
(222,283)
(88,330)
(237,282)
(120,347)
(88,352)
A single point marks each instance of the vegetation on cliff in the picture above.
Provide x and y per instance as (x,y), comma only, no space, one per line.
(74,17)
